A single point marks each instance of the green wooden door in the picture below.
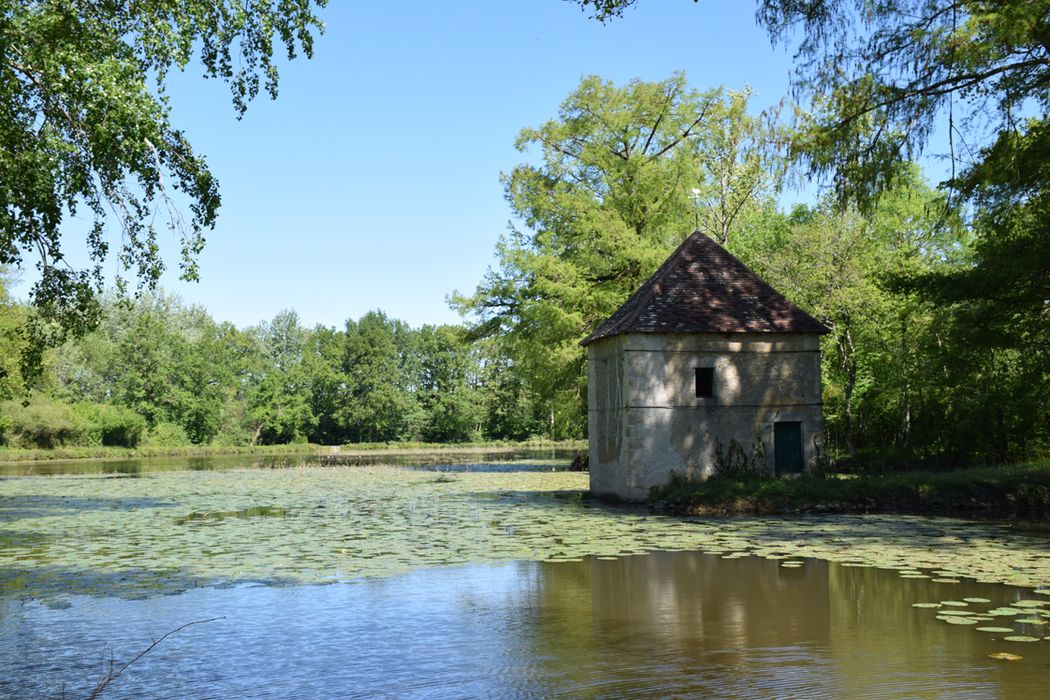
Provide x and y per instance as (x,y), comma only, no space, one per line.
(787,447)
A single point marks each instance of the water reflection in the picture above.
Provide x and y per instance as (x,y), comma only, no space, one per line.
(655,625)
(498,460)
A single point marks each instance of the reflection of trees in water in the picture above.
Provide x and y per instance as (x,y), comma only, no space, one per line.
(690,620)
(696,623)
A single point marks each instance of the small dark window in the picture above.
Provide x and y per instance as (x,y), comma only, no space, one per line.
(705,382)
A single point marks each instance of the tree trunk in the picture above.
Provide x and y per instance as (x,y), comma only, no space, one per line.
(848,360)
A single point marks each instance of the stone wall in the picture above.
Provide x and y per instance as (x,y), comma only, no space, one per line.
(645,421)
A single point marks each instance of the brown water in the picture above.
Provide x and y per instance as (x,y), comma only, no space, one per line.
(104,565)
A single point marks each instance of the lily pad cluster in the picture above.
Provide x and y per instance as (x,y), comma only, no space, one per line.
(168,531)
(1025,615)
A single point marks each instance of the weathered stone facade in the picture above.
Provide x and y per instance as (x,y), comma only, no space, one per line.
(705,368)
(646,423)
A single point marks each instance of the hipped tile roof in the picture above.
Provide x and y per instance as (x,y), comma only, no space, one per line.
(702,288)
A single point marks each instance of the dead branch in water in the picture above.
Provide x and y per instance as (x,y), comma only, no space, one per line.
(111,674)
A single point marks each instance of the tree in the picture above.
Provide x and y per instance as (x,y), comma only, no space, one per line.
(448,385)
(168,363)
(378,404)
(881,76)
(739,165)
(323,355)
(611,198)
(513,411)
(84,123)
(280,409)
(880,80)
(12,319)
(879,360)
(1006,286)
(878,77)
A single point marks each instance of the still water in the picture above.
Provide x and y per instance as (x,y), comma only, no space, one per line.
(488,580)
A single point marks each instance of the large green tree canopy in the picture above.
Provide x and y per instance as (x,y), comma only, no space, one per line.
(880,80)
(625,172)
(84,124)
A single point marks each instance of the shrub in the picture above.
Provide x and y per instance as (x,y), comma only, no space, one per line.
(44,423)
(111,426)
(166,435)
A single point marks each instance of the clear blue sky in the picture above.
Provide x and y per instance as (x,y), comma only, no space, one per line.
(373,180)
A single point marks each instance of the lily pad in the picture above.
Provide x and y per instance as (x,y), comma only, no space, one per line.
(954,603)
(977,600)
(926,605)
(960,620)
(1005,656)
(999,630)
(1021,638)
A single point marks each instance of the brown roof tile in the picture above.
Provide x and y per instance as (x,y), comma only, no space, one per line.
(702,288)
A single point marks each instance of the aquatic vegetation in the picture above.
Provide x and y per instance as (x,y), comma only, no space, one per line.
(167,531)
(1005,656)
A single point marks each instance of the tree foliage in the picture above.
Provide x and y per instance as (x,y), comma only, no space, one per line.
(882,77)
(834,261)
(879,78)
(612,196)
(84,124)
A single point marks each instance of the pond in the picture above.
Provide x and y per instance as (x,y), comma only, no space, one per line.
(494,579)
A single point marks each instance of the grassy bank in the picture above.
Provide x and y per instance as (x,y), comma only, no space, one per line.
(1018,489)
(10,454)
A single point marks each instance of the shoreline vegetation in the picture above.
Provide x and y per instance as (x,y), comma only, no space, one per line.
(10,455)
(1019,490)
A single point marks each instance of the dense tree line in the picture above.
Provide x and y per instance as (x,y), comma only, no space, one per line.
(158,371)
